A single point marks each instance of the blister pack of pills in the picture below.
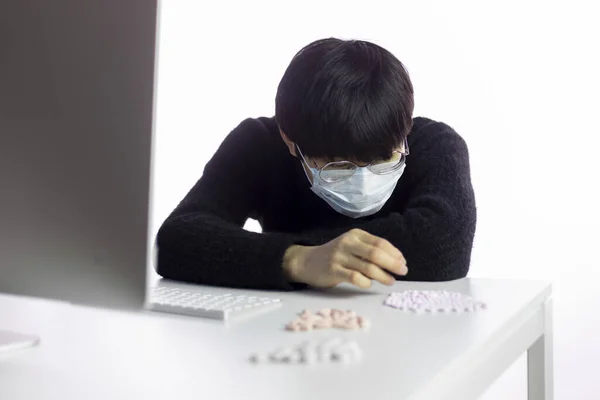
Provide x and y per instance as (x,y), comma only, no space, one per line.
(331,350)
(328,318)
(433,301)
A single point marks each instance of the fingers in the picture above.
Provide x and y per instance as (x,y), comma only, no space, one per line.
(353,277)
(375,250)
(376,256)
(369,270)
(381,243)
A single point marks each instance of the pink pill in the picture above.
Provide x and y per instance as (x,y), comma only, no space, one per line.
(351,325)
(323,323)
(339,324)
(292,327)
(305,326)
(326,312)
(363,322)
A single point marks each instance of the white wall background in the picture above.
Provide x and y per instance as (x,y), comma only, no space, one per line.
(517,79)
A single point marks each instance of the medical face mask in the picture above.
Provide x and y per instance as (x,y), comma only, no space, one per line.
(360,195)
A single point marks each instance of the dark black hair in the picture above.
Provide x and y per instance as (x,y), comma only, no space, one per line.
(350,99)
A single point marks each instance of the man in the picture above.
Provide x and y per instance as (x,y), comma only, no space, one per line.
(347,186)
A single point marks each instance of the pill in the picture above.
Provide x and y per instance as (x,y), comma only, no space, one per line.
(336,355)
(281,355)
(365,324)
(257,358)
(353,348)
(324,319)
(308,345)
(306,326)
(342,357)
(311,352)
(339,324)
(326,312)
(331,342)
(294,357)
(292,326)
(433,302)
(323,323)
(309,357)
(351,325)
(348,352)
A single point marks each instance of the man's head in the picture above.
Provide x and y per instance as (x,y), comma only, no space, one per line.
(344,100)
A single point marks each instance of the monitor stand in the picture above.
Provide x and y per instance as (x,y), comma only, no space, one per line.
(12,341)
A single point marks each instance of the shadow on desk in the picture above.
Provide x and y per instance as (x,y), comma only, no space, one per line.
(340,292)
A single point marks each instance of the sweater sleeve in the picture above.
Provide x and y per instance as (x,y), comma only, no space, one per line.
(436,228)
(203,240)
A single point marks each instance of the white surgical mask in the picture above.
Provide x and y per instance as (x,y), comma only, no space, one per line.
(361,195)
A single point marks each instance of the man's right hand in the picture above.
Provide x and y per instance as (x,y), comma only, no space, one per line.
(356,257)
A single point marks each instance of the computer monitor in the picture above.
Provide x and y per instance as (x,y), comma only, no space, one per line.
(76,131)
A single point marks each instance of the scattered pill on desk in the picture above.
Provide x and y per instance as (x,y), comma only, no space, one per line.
(328,318)
(282,355)
(257,358)
(332,350)
(433,301)
(323,323)
(325,312)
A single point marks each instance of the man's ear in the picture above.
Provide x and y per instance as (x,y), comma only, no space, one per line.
(290,145)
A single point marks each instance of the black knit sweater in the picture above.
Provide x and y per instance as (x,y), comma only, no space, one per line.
(430,217)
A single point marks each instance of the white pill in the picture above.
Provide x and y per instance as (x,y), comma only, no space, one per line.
(310,357)
(324,355)
(349,348)
(257,358)
(295,357)
(353,347)
(282,355)
(336,355)
(308,348)
(344,358)
(331,343)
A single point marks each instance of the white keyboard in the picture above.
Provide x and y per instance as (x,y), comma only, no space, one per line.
(223,306)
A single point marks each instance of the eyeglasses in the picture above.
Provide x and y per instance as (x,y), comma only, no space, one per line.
(338,171)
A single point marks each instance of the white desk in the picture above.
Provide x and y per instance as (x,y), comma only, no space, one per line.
(98,354)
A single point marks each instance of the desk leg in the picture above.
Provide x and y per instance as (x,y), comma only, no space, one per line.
(540,372)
